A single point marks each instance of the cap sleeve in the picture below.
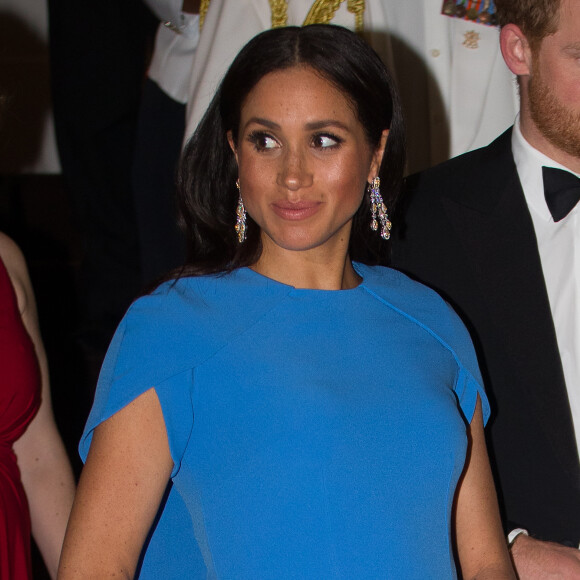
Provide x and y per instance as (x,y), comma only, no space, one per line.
(132,366)
(428,310)
(467,388)
(469,383)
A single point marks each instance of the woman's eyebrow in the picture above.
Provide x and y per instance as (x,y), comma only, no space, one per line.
(312,126)
(264,122)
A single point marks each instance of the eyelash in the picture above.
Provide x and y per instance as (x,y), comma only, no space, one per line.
(337,140)
(257,138)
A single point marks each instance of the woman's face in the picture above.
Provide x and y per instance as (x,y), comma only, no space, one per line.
(304,161)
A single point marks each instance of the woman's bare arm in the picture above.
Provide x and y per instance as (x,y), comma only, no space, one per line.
(42,459)
(119,493)
(481,545)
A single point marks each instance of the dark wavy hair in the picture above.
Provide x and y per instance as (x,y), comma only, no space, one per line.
(207,194)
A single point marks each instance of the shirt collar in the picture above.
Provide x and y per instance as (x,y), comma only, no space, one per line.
(529,162)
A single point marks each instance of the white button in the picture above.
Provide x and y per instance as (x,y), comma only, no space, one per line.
(435,52)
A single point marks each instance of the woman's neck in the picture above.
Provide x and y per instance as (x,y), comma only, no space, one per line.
(310,269)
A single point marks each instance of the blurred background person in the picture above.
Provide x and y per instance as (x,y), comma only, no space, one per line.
(99,53)
(36,479)
(160,131)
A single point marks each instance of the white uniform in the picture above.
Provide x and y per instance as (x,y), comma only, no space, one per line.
(456,88)
(175,44)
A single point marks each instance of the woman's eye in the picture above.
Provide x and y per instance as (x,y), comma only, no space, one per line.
(325,141)
(263,141)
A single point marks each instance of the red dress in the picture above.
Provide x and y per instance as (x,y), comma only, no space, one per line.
(19,401)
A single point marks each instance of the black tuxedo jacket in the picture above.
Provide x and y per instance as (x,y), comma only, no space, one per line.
(465,230)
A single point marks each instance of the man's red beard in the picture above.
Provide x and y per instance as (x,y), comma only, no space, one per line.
(557,123)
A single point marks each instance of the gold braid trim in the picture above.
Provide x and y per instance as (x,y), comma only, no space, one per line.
(203,6)
(357,7)
(321,12)
(279,10)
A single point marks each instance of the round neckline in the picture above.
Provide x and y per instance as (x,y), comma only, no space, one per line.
(360,269)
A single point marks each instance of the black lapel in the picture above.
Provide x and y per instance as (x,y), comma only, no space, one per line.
(492,220)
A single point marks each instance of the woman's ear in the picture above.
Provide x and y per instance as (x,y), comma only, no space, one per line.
(516,50)
(378,156)
(232,144)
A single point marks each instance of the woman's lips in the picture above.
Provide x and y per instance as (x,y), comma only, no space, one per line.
(295,211)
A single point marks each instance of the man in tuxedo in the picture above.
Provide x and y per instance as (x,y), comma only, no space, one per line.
(482,231)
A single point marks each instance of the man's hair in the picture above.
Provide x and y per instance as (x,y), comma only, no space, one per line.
(536,18)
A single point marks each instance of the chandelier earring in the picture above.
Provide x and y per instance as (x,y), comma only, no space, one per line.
(379,210)
(240,226)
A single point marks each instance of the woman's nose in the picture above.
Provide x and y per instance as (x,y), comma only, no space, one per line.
(294,172)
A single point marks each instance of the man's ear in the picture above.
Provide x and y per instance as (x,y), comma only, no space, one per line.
(378,156)
(516,50)
(232,144)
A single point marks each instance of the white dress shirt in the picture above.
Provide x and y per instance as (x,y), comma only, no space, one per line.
(559,248)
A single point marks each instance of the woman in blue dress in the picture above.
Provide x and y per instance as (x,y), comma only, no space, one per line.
(283,407)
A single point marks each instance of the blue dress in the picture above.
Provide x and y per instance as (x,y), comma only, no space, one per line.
(314,434)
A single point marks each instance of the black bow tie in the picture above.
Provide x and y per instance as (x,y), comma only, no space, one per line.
(561,190)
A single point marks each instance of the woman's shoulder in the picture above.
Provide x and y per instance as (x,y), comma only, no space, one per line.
(394,285)
(216,299)
(419,303)
(169,302)
(13,259)
(193,307)
(184,321)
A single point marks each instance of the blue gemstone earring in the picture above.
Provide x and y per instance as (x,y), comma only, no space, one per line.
(379,209)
